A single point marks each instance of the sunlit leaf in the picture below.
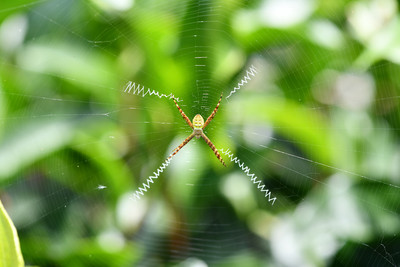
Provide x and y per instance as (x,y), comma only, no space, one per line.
(10,252)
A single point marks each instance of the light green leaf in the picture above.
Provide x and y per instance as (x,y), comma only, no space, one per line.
(292,120)
(32,143)
(10,252)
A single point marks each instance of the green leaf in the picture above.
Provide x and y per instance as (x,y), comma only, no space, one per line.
(10,252)
(292,120)
(32,142)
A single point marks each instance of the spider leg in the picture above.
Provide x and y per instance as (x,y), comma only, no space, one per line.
(212,114)
(176,150)
(183,114)
(211,145)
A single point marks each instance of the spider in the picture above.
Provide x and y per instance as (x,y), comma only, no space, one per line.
(198,126)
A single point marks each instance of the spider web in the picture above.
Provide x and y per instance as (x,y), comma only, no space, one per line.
(310,109)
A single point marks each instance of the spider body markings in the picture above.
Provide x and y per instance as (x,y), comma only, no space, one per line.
(198,126)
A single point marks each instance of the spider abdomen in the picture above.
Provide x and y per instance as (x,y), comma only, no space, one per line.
(198,122)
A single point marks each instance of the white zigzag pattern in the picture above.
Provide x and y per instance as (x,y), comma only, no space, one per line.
(146,185)
(133,88)
(253,177)
(251,71)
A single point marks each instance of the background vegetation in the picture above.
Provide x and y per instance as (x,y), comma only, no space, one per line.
(318,124)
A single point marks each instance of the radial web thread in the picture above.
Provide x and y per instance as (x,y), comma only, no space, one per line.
(253,177)
(138,89)
(250,71)
(146,185)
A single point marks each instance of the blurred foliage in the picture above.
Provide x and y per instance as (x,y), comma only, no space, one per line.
(10,252)
(319,124)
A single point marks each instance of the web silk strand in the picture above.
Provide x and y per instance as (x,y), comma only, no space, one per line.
(146,185)
(253,177)
(138,89)
(250,71)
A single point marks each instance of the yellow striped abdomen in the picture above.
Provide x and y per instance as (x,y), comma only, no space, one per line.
(198,123)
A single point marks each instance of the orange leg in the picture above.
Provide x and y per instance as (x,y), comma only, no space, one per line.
(212,114)
(176,150)
(211,145)
(183,114)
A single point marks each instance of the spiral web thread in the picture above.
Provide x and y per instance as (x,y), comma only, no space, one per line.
(138,89)
(250,71)
(253,177)
(146,185)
